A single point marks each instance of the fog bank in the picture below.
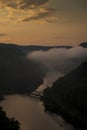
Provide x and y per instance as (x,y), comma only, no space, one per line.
(61,60)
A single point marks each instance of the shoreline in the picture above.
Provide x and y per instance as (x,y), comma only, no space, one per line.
(70,115)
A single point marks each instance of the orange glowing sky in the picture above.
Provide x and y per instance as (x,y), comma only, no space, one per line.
(43,22)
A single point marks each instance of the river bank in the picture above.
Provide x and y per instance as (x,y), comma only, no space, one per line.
(70,115)
(30,113)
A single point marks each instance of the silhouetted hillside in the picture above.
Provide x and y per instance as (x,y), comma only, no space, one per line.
(6,123)
(84,44)
(17,73)
(27,49)
(68,96)
(30,48)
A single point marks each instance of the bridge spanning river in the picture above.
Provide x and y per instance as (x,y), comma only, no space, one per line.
(36,94)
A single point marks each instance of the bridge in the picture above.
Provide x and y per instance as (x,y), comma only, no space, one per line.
(36,94)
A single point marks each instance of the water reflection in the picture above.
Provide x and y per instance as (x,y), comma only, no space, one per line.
(31,115)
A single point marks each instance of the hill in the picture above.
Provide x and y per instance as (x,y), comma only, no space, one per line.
(17,73)
(84,44)
(68,97)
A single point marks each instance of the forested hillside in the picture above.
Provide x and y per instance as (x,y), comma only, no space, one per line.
(68,96)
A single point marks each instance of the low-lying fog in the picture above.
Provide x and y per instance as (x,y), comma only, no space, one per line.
(58,61)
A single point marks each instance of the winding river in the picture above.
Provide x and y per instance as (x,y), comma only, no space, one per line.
(31,115)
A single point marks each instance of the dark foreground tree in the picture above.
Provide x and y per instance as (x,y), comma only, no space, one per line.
(7,123)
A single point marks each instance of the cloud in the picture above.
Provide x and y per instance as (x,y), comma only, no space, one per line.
(70,11)
(61,60)
(70,5)
(2,34)
(23,4)
(43,13)
(21,9)
(66,11)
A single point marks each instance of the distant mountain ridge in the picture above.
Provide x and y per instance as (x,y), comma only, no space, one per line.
(30,48)
(84,44)
(41,48)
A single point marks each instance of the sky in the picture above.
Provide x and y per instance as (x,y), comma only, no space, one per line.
(43,22)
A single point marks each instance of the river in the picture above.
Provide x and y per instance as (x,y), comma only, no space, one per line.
(30,113)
